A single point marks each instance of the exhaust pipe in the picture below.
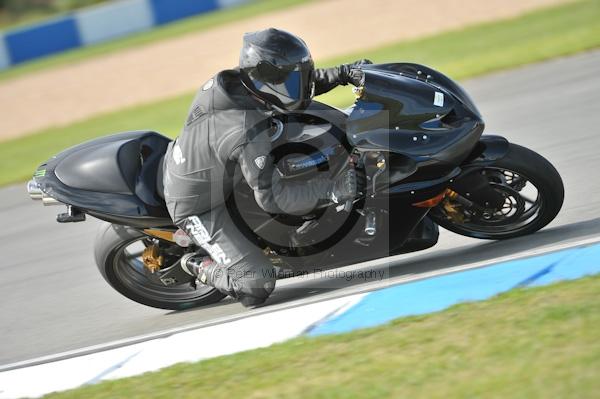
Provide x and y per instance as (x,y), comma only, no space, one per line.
(36,194)
(47,201)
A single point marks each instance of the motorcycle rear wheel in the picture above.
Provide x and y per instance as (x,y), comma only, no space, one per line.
(521,170)
(122,268)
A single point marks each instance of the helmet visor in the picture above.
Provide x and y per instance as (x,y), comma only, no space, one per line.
(287,88)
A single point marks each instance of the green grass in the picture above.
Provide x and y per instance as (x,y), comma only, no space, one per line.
(34,16)
(188,25)
(18,158)
(535,343)
(483,48)
(28,12)
(473,51)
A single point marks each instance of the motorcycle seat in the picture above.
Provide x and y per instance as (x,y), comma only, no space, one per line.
(128,163)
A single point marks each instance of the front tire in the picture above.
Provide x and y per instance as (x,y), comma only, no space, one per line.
(511,175)
(124,271)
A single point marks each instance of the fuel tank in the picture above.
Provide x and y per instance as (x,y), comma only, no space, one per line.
(310,142)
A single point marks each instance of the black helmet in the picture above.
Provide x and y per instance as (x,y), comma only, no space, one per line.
(277,67)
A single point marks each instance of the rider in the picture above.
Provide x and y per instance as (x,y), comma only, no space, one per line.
(228,125)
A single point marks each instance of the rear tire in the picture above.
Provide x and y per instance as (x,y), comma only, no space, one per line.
(113,263)
(540,173)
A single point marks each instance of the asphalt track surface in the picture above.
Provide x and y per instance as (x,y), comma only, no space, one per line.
(54,300)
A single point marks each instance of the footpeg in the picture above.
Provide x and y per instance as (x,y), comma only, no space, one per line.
(185,264)
(193,263)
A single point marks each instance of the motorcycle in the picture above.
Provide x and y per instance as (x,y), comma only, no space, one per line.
(413,133)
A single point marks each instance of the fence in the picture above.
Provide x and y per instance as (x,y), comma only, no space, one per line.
(97,24)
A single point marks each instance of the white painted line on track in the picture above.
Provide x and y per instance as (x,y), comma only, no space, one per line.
(304,301)
(189,346)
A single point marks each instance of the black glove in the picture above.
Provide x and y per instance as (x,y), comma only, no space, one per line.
(344,187)
(351,73)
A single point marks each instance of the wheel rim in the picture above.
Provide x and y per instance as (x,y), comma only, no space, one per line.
(129,269)
(523,204)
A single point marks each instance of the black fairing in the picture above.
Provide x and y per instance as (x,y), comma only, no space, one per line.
(115,178)
(415,112)
(429,141)
(433,77)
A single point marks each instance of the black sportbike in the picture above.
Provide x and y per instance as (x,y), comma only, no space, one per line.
(412,133)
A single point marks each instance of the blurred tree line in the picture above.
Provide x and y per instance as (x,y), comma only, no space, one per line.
(21,11)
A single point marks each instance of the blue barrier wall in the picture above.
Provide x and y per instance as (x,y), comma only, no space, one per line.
(37,41)
(171,10)
(98,24)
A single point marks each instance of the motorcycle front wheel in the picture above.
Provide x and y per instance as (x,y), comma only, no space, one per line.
(533,195)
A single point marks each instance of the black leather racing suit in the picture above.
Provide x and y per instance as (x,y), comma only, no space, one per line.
(226,128)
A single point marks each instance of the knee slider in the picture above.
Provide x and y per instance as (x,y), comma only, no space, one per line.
(255,282)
